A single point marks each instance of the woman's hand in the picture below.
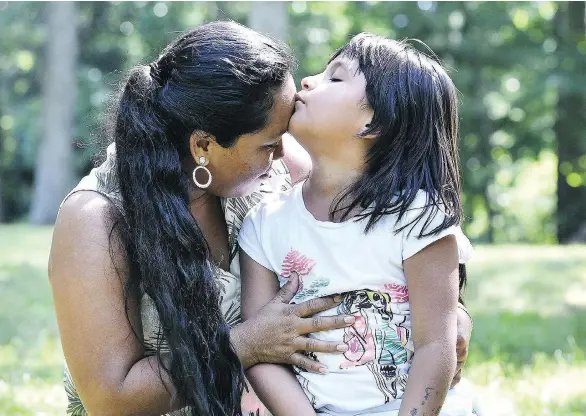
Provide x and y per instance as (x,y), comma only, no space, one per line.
(464,333)
(276,334)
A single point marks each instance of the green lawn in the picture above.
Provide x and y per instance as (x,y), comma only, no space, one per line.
(528,355)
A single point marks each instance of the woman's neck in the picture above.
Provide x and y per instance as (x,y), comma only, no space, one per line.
(207,212)
(198,196)
(202,204)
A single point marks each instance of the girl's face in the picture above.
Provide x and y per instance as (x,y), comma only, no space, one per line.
(331,109)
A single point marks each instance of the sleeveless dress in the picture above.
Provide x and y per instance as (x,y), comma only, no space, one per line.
(103,180)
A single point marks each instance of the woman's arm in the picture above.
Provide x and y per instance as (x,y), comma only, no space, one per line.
(432,279)
(274,384)
(105,358)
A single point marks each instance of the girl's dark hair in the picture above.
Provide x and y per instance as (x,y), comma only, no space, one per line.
(220,78)
(416,127)
(415,123)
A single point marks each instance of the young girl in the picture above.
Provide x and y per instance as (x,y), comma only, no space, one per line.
(377,222)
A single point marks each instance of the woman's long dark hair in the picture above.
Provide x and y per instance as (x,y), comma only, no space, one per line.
(415,124)
(221,79)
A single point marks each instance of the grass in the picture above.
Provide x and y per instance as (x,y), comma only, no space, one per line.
(31,360)
(527,356)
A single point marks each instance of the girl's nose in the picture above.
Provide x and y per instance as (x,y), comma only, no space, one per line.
(309,83)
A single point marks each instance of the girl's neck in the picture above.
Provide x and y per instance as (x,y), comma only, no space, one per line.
(326,182)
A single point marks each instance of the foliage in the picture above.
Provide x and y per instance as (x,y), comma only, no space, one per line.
(506,59)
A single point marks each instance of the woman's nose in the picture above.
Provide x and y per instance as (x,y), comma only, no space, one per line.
(279,151)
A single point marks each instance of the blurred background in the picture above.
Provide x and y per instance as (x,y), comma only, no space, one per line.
(520,68)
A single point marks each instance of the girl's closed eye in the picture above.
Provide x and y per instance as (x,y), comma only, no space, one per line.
(334,77)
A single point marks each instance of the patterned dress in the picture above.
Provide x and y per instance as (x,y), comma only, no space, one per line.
(103,180)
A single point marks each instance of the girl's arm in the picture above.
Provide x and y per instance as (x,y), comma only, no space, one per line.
(432,279)
(275,384)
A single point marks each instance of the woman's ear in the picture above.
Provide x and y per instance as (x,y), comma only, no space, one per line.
(201,144)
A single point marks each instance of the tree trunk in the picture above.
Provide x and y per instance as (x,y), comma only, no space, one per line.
(570,129)
(4,212)
(1,168)
(270,18)
(54,168)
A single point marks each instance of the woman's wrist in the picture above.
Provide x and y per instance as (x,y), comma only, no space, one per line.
(242,345)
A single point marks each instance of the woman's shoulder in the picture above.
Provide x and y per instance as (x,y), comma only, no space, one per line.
(84,207)
(82,233)
(102,180)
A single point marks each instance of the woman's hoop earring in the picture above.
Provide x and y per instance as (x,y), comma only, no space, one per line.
(202,163)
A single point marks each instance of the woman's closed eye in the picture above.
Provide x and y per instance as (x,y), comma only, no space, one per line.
(272,146)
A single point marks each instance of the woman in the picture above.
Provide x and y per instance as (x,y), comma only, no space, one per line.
(145,247)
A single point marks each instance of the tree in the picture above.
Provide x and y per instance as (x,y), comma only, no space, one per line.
(1,173)
(518,67)
(270,18)
(54,173)
(570,126)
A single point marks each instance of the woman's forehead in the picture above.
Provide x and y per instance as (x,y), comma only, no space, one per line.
(283,107)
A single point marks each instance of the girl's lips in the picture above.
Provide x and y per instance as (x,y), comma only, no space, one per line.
(298,99)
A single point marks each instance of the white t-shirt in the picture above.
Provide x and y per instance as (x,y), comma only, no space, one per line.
(330,258)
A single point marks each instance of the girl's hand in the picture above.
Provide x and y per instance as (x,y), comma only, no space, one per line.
(276,334)
(464,333)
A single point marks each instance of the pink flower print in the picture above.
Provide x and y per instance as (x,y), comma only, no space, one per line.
(295,262)
(398,293)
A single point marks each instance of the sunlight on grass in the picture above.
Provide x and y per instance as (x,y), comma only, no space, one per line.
(31,360)
(527,356)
